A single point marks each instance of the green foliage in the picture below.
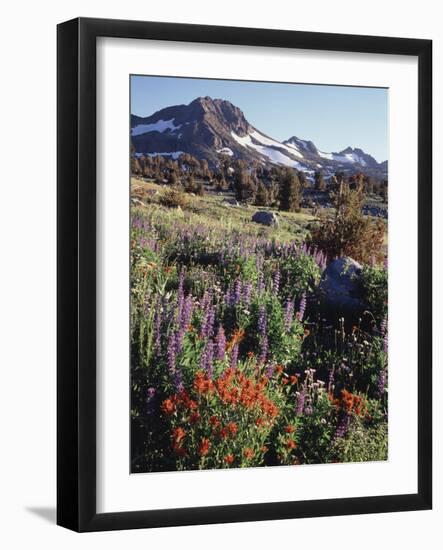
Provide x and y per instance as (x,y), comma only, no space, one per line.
(290,191)
(262,197)
(375,290)
(242,407)
(300,273)
(362,443)
(174,198)
(349,232)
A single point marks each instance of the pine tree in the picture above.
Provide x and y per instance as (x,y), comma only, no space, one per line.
(261,198)
(320,184)
(290,191)
(243,185)
(173,180)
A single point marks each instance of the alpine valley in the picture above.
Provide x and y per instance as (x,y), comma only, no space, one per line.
(211,129)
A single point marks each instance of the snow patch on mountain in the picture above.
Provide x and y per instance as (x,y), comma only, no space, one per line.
(225,151)
(268,151)
(273,143)
(173,154)
(159,126)
(346,158)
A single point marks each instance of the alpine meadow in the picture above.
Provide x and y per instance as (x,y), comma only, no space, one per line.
(259,274)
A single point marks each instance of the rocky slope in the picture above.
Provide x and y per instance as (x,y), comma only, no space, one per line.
(210,128)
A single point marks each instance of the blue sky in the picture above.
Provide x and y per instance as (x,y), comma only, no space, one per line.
(333,117)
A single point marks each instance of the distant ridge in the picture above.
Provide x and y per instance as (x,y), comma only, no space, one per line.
(210,128)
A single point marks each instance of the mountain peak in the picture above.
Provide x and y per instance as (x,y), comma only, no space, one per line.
(208,127)
(302,145)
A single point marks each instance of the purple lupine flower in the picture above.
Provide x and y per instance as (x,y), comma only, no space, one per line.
(247,289)
(207,325)
(331,379)
(261,284)
(172,354)
(207,357)
(342,427)
(269,371)
(172,359)
(262,323)
(262,326)
(180,294)
(186,312)
(220,344)
(151,393)
(381,383)
(289,314)
(234,356)
(183,323)
(264,350)
(301,402)
(276,282)
(302,307)
(237,291)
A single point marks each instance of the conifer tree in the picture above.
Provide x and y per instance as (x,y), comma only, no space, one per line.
(290,191)
(262,197)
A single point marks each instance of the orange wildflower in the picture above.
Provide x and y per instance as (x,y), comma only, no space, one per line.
(248,453)
(204,446)
(293,379)
(178,435)
(236,338)
(229,459)
(233,428)
(214,421)
(289,429)
(168,406)
(202,383)
(291,444)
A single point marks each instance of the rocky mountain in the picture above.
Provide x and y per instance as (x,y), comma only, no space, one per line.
(210,128)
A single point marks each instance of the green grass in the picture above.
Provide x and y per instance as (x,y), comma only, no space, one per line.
(211,211)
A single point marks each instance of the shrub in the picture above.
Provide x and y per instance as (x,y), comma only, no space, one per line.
(299,274)
(362,443)
(375,291)
(349,232)
(174,198)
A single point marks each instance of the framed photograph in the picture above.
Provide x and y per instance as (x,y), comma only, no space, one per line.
(244,274)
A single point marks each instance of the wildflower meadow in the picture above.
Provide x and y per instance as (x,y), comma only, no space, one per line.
(233,361)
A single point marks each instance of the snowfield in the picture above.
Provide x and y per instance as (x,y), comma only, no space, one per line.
(173,154)
(159,126)
(267,149)
(225,151)
(349,158)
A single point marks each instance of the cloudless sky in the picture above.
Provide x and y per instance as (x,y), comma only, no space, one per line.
(333,117)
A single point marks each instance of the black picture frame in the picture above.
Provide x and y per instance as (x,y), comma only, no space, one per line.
(76,280)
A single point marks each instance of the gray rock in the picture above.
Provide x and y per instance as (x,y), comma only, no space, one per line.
(340,289)
(265,218)
(230,202)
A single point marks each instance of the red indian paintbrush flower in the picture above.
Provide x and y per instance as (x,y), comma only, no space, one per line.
(204,446)
(248,453)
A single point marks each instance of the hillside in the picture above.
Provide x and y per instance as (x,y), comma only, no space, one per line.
(212,128)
